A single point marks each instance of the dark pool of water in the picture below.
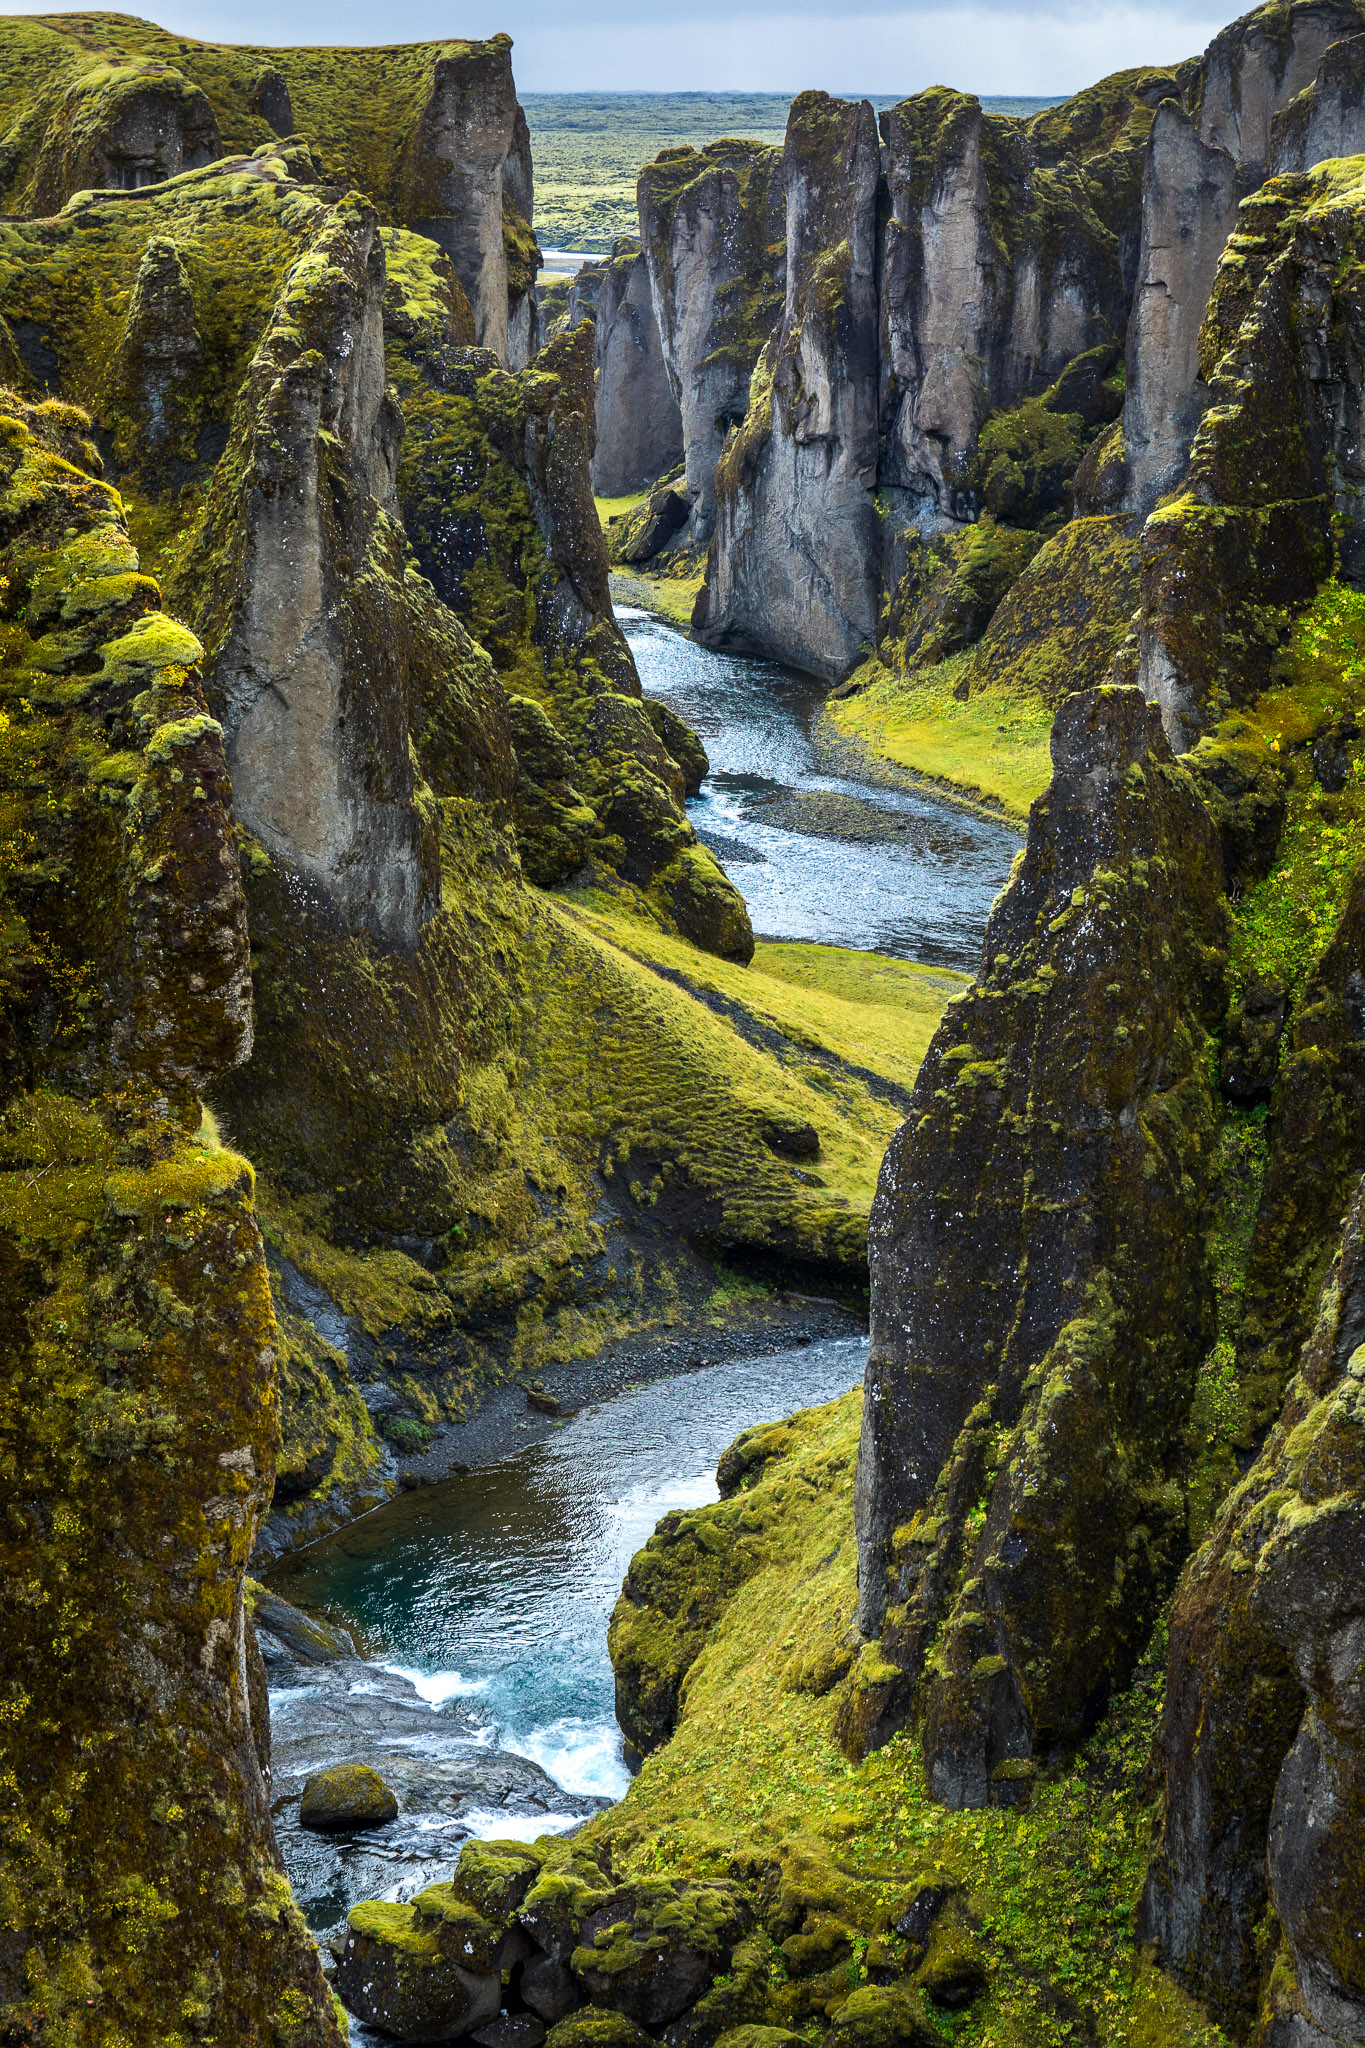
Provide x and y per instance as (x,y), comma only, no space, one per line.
(925,897)
(495,1588)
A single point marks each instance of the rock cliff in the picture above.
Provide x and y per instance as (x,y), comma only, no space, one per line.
(443,148)
(140,1411)
(639,424)
(713,233)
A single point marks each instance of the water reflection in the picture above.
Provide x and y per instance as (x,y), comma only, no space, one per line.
(925,896)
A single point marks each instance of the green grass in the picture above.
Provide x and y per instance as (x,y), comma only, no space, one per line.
(612,508)
(752,1775)
(993,746)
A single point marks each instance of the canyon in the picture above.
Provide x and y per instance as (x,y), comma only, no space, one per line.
(382,1041)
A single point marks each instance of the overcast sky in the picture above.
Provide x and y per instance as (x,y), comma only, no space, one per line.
(985,46)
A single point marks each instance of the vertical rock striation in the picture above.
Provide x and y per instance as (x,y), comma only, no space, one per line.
(712,227)
(639,424)
(794,564)
(1040,1304)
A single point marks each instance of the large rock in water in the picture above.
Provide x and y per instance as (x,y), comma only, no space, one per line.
(1040,1303)
(347,1796)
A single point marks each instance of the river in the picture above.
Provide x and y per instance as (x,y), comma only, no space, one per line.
(480,1606)
(917,883)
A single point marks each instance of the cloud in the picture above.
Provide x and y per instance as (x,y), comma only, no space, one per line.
(888,46)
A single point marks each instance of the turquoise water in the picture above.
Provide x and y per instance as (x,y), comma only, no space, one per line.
(496,1587)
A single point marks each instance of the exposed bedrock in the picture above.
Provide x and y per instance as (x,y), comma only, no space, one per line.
(995,273)
(1040,1301)
(452,169)
(795,563)
(1328,117)
(1255,67)
(1202,158)
(1275,475)
(1264,1731)
(712,224)
(137,1381)
(639,424)
(1189,204)
(312,688)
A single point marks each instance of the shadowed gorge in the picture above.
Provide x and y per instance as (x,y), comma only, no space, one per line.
(585,862)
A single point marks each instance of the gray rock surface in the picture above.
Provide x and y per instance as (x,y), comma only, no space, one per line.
(712,227)
(639,425)
(1189,208)
(458,154)
(795,565)
(324,785)
(1327,118)
(450,1780)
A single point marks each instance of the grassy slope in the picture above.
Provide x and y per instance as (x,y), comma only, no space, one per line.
(752,1777)
(995,745)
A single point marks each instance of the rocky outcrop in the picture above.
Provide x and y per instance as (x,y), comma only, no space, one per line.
(794,565)
(137,1386)
(443,149)
(1263,1743)
(1204,155)
(1189,204)
(317,742)
(713,232)
(639,425)
(1327,118)
(121,125)
(1040,1312)
(1275,467)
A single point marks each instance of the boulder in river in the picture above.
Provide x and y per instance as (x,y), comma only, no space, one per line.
(350,1796)
(594,2028)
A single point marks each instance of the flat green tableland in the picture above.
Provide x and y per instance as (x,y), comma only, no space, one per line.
(589,148)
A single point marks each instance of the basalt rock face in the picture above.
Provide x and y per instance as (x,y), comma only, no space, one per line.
(639,425)
(1206,153)
(1263,1744)
(1275,468)
(794,566)
(138,1396)
(1001,258)
(1327,118)
(1040,1307)
(112,102)
(495,491)
(712,225)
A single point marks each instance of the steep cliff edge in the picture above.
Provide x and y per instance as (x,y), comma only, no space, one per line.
(431,132)
(140,1415)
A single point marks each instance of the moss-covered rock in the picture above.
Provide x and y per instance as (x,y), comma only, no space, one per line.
(348,1796)
(420,1972)
(139,1408)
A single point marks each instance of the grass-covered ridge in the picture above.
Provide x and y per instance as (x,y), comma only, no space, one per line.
(991,745)
(1033,1907)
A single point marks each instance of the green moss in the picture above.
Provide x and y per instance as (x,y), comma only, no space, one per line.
(992,744)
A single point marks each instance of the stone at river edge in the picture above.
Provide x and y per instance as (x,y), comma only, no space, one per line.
(1041,1304)
(138,1392)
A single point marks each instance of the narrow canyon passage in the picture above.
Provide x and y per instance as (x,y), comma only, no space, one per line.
(482,1604)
